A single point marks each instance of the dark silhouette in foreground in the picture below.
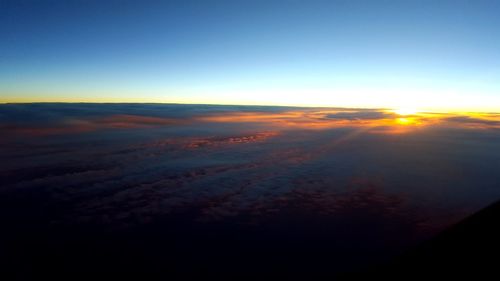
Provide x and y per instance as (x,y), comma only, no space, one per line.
(470,247)
(186,252)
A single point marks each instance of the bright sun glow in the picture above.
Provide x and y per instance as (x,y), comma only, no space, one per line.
(406,111)
(404,121)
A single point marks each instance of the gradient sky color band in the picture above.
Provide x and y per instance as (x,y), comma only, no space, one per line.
(435,55)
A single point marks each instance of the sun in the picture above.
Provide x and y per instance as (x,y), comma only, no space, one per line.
(405,121)
(406,111)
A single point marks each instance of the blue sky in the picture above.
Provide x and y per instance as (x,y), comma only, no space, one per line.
(424,54)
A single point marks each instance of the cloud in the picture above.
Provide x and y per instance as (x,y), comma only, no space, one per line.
(360,115)
(473,120)
(175,157)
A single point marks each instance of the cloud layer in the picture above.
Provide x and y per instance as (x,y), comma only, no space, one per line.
(123,166)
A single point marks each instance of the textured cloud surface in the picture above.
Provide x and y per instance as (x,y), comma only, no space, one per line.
(120,166)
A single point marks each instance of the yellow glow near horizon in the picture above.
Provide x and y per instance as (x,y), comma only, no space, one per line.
(410,103)
(404,121)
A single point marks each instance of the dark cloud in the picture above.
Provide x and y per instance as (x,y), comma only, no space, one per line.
(472,120)
(360,115)
(56,112)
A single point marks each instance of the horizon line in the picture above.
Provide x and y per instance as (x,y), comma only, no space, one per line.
(249,105)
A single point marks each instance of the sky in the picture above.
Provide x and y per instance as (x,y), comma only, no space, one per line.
(432,55)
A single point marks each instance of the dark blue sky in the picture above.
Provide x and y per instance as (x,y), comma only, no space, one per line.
(425,54)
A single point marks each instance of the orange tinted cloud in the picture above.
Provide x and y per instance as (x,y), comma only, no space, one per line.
(322,119)
(76,126)
(216,141)
(134,121)
(377,121)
